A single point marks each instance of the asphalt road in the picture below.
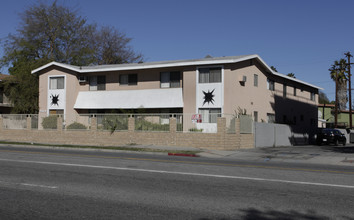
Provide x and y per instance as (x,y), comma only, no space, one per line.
(66,184)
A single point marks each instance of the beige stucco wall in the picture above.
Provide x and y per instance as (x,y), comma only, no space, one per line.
(260,98)
(246,96)
(189,90)
(147,79)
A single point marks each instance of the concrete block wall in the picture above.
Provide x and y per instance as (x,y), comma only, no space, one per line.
(220,140)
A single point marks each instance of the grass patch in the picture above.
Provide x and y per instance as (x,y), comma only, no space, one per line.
(125,148)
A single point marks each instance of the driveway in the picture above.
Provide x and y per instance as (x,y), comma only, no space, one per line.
(329,154)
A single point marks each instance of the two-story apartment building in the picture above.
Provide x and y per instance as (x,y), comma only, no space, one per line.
(201,86)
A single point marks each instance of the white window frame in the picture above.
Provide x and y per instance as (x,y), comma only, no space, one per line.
(255,80)
(93,85)
(211,67)
(55,77)
(127,75)
(165,79)
(206,116)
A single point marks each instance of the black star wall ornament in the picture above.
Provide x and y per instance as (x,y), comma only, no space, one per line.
(209,97)
(55,99)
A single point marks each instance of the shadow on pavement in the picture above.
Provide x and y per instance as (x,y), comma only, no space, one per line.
(345,150)
(252,214)
(275,215)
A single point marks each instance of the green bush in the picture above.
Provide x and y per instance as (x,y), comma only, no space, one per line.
(76,125)
(115,122)
(179,127)
(142,125)
(195,130)
(50,122)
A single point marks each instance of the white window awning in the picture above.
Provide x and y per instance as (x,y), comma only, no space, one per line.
(130,99)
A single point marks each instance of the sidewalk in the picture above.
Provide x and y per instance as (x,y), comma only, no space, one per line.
(331,155)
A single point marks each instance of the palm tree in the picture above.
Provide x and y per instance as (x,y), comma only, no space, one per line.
(338,72)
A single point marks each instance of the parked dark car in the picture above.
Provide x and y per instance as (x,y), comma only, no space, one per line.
(330,136)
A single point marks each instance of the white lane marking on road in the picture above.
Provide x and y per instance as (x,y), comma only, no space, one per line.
(182,173)
(29,184)
(36,185)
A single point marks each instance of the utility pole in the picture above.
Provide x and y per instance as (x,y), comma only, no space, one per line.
(348,55)
(336,103)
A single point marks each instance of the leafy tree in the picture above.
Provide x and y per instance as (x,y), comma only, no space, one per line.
(112,47)
(51,32)
(273,68)
(338,73)
(322,98)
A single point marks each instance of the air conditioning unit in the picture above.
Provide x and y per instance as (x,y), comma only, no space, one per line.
(242,78)
(82,79)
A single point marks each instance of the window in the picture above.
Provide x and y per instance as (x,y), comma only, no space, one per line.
(210,115)
(128,79)
(255,80)
(56,112)
(56,82)
(313,96)
(170,79)
(255,116)
(270,84)
(271,118)
(294,91)
(210,75)
(97,83)
(284,90)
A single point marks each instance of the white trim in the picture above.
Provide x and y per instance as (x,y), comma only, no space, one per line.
(130,99)
(222,85)
(65,66)
(48,89)
(138,66)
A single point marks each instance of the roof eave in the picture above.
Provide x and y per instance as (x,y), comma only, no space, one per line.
(54,64)
(177,64)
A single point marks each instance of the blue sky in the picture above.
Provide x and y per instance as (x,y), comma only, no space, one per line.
(303,36)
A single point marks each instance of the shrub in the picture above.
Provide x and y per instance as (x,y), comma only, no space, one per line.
(143,125)
(76,125)
(50,122)
(195,130)
(115,122)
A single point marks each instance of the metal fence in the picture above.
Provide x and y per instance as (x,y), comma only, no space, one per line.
(152,122)
(201,123)
(111,122)
(230,123)
(196,123)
